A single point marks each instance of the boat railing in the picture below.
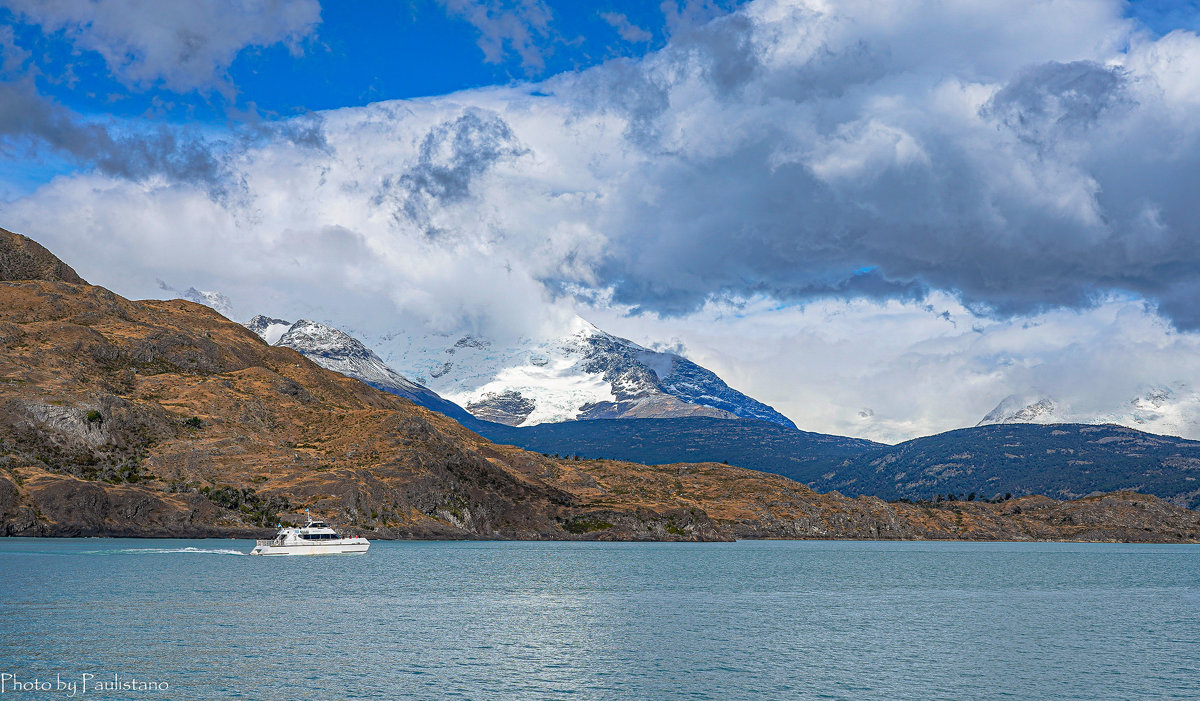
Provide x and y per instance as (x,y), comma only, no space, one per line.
(343,540)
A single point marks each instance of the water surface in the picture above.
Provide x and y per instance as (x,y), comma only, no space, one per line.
(483,620)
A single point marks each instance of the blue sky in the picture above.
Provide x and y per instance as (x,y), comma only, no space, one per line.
(848,209)
(361,52)
(358,52)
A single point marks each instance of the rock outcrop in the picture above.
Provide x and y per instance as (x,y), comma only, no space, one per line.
(22,258)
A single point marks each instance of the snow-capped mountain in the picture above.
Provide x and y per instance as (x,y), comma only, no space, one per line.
(1167,410)
(336,350)
(216,300)
(585,374)
(1018,409)
(209,298)
(271,330)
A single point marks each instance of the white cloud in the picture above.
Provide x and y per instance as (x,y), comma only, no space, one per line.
(626,29)
(520,26)
(890,371)
(182,46)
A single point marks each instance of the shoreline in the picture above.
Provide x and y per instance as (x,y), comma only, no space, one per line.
(481,539)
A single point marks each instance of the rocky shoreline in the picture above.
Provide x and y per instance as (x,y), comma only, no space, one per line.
(56,507)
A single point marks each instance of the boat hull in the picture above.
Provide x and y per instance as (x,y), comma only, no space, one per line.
(358,548)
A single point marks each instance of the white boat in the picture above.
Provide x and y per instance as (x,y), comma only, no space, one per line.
(313,538)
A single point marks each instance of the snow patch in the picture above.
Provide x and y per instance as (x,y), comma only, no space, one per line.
(556,388)
(663,364)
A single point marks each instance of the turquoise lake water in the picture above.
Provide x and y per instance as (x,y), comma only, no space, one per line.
(500,620)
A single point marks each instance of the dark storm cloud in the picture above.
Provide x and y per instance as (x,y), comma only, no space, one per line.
(451,156)
(624,87)
(28,121)
(305,131)
(1069,184)
(725,49)
(1021,156)
(1057,100)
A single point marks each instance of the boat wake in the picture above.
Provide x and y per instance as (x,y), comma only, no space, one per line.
(168,551)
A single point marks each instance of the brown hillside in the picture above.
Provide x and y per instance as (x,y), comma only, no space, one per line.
(164,418)
(22,258)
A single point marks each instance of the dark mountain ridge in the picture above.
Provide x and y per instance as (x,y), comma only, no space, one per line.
(751,443)
(1061,460)
(1065,461)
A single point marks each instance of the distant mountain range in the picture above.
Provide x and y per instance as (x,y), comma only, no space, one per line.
(1062,460)
(1058,460)
(1008,454)
(1172,410)
(758,445)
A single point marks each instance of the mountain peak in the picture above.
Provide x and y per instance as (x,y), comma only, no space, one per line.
(319,338)
(584,373)
(1019,409)
(22,258)
(212,299)
(268,328)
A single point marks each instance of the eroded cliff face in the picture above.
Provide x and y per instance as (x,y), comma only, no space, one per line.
(162,418)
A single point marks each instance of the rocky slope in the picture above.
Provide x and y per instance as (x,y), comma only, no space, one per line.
(163,418)
(585,374)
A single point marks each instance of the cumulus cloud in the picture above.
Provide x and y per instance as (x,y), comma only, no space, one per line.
(451,155)
(1023,162)
(181,46)
(518,26)
(1017,156)
(626,29)
(685,15)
